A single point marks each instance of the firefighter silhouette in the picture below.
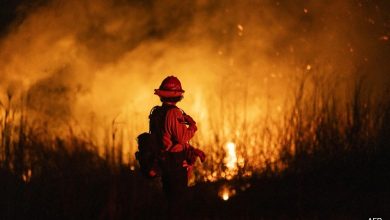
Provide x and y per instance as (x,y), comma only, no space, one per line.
(173,129)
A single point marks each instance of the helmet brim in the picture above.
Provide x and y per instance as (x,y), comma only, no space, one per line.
(168,93)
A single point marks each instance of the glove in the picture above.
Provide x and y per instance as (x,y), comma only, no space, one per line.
(200,154)
(192,153)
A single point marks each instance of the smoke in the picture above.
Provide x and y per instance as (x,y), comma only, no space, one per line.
(95,63)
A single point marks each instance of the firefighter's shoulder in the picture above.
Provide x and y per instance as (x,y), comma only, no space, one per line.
(175,112)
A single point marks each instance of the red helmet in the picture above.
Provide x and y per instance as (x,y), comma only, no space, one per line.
(169,88)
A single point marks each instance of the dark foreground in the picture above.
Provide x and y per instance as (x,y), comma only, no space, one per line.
(81,186)
(338,167)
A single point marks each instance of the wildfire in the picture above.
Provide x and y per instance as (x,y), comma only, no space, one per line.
(225,196)
(231,157)
(230,160)
(226,192)
(234,77)
(27,176)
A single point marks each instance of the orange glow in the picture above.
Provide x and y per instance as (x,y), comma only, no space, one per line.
(27,176)
(226,192)
(231,158)
(384,38)
(94,79)
(225,196)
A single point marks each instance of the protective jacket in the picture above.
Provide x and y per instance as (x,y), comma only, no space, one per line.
(176,134)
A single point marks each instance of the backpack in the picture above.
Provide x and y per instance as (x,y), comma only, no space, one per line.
(150,145)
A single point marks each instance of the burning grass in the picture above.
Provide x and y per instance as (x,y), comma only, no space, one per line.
(324,143)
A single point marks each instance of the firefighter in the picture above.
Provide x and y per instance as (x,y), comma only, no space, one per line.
(174,129)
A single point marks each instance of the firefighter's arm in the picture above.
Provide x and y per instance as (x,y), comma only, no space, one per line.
(191,123)
(176,125)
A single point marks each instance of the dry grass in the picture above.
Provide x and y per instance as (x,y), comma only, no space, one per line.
(325,141)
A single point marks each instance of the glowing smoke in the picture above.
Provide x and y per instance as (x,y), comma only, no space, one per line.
(94,64)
